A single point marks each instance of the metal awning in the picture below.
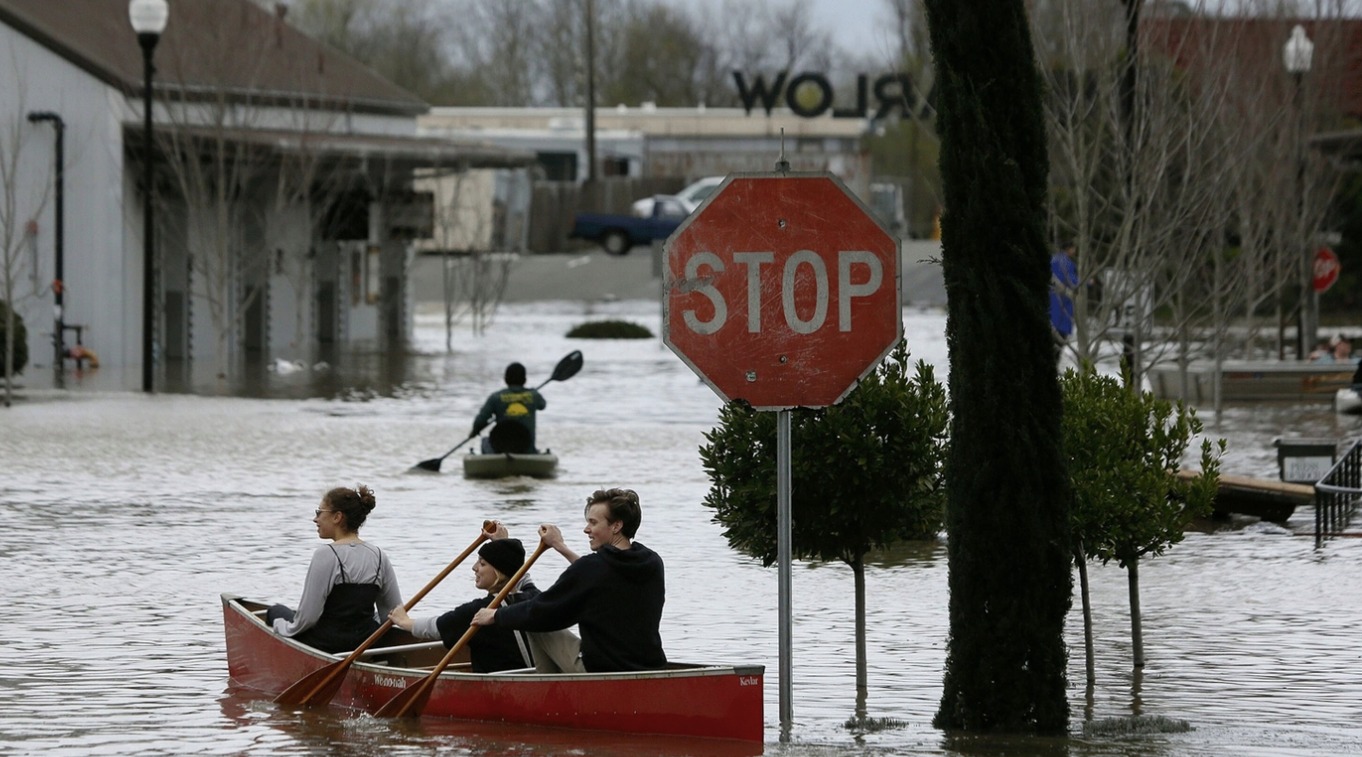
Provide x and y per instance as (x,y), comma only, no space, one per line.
(412,151)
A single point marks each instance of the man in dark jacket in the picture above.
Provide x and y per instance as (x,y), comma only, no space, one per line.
(513,409)
(614,595)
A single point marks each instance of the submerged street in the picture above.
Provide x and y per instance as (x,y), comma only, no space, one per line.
(127,515)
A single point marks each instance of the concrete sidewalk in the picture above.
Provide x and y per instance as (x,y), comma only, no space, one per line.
(593,276)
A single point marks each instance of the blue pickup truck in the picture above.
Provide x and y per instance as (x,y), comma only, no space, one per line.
(618,233)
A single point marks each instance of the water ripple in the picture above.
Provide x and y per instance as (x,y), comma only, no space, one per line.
(126,516)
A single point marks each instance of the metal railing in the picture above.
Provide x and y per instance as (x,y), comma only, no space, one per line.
(1337,494)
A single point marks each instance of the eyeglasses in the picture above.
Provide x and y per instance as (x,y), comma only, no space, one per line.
(318,513)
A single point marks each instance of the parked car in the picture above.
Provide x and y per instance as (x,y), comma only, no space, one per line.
(691,197)
(618,233)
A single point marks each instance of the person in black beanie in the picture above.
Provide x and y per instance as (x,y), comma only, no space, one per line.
(513,410)
(493,649)
(614,595)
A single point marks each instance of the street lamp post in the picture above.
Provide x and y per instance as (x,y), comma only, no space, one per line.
(590,93)
(148,19)
(58,283)
(1297,55)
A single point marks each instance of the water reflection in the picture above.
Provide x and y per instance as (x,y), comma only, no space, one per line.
(349,376)
(125,517)
(332,732)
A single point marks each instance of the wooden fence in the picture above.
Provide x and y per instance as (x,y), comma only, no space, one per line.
(553,204)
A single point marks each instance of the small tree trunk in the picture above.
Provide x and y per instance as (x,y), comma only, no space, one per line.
(9,353)
(1136,692)
(1082,563)
(858,571)
(448,289)
(1136,636)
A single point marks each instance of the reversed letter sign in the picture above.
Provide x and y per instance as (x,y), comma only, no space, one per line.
(782,291)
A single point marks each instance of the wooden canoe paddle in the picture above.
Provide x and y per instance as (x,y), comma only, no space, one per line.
(566,369)
(412,700)
(319,686)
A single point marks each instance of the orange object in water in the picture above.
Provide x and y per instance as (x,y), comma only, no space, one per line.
(81,352)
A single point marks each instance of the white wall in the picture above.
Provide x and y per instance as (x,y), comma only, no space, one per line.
(103,259)
(290,288)
(99,279)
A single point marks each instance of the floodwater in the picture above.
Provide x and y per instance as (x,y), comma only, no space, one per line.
(125,516)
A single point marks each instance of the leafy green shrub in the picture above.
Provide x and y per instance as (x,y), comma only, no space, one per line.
(1135,725)
(613,329)
(1124,452)
(866,725)
(20,340)
(865,473)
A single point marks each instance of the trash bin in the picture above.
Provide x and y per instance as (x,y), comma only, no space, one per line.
(1305,461)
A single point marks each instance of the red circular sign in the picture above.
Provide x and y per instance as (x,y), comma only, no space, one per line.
(1326,269)
(782,291)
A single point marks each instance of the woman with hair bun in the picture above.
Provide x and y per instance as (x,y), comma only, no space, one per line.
(350,583)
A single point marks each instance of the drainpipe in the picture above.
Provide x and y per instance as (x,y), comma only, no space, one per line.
(58,283)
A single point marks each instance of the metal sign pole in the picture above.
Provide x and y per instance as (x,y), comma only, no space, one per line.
(766,244)
(783,538)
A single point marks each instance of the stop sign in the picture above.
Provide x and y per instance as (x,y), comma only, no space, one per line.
(1326,269)
(782,290)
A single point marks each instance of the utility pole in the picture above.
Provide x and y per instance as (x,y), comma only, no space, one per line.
(58,282)
(590,92)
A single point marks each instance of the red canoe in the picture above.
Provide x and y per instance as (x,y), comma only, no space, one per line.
(684,700)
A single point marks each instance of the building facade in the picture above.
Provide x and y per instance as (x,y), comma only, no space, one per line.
(283,190)
(680,143)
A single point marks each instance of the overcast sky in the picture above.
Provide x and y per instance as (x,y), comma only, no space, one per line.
(855,24)
(859,25)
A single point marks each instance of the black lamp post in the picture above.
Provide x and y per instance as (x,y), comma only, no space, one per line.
(1297,55)
(148,19)
(590,93)
(58,283)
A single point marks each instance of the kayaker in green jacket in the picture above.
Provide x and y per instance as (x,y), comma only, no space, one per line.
(513,410)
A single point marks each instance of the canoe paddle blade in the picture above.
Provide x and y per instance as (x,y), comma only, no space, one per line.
(433,464)
(408,702)
(412,700)
(567,367)
(317,687)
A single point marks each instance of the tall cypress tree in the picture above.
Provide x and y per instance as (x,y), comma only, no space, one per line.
(1008,488)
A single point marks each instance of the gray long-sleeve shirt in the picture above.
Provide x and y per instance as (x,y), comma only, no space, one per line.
(362,565)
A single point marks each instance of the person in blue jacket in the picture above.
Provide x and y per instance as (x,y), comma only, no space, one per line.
(1063,284)
(614,595)
(513,409)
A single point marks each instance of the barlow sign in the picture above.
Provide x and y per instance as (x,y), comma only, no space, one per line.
(782,290)
(809,95)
